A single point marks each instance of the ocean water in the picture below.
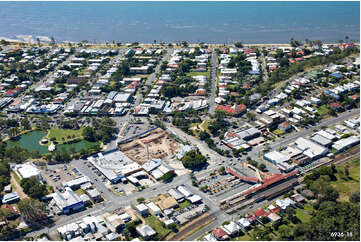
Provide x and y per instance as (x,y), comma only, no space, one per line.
(212,22)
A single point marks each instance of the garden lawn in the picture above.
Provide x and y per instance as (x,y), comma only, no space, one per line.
(194,73)
(322,110)
(17,178)
(278,132)
(62,135)
(153,222)
(184,204)
(244,237)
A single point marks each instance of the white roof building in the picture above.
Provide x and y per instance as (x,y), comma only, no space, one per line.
(154,208)
(327,135)
(244,222)
(182,189)
(232,228)
(141,208)
(276,157)
(194,198)
(346,143)
(67,201)
(27,170)
(311,149)
(145,231)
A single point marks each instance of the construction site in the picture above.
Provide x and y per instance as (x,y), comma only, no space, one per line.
(155,144)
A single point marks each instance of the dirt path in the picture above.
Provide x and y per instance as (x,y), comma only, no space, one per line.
(17,187)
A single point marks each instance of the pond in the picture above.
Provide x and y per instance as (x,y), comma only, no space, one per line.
(30,141)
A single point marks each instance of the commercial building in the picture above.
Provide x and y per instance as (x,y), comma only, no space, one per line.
(311,149)
(344,144)
(182,189)
(27,170)
(68,201)
(76,183)
(276,157)
(321,140)
(114,165)
(176,195)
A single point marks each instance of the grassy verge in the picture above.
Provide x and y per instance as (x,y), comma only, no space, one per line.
(17,178)
(346,185)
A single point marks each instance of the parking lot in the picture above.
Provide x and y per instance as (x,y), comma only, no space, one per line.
(55,176)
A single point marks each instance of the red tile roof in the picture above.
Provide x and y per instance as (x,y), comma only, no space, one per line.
(246,86)
(284,125)
(219,233)
(201,92)
(260,213)
(231,109)
(270,180)
(335,104)
(248,51)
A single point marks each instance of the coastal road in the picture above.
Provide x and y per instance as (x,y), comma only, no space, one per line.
(212,95)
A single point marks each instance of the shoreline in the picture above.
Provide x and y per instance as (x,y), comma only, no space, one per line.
(29,40)
(149,45)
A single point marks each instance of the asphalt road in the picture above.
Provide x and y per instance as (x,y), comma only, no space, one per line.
(153,76)
(212,96)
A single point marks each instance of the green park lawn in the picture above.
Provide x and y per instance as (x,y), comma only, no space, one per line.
(63,135)
(153,222)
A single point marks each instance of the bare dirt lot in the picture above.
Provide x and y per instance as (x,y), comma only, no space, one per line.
(157,142)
